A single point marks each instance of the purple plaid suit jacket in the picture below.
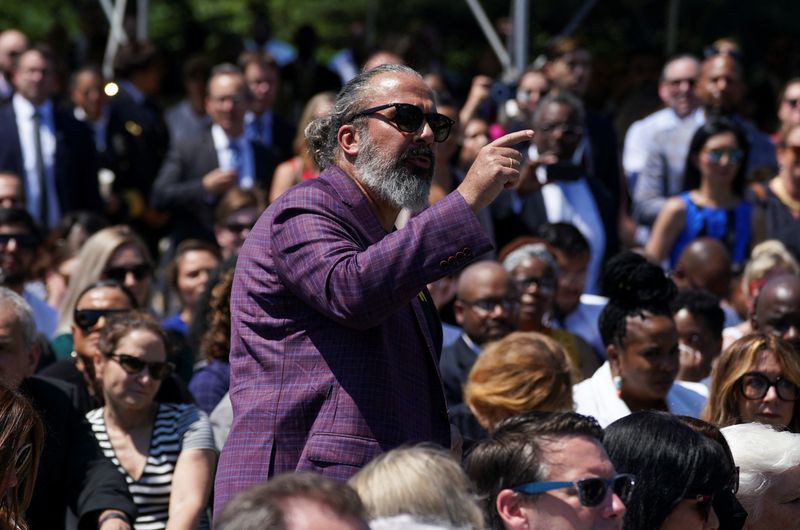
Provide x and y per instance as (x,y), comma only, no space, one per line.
(332,362)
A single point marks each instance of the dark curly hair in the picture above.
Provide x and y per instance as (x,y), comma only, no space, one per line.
(634,286)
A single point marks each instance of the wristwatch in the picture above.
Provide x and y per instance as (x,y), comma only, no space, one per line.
(113,515)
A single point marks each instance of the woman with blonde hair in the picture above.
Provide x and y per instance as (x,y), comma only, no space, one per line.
(757,379)
(21,441)
(115,253)
(422,481)
(301,167)
(522,372)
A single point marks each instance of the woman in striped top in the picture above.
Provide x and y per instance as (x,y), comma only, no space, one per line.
(165,450)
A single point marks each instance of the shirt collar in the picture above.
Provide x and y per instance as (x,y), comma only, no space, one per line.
(23,107)
(221,138)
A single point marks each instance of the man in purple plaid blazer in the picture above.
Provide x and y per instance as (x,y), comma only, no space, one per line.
(334,339)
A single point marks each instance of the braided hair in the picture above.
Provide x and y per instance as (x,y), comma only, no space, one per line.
(633,286)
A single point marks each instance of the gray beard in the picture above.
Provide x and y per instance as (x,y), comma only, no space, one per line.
(390,180)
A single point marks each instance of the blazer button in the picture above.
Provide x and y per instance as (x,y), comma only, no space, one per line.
(460,255)
(451,260)
(443,264)
(467,251)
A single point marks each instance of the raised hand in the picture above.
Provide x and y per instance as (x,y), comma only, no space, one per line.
(497,166)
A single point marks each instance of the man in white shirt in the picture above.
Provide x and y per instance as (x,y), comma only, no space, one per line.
(676,90)
(52,152)
(199,170)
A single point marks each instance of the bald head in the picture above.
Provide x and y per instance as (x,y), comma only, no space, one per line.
(704,264)
(486,302)
(12,43)
(720,87)
(777,308)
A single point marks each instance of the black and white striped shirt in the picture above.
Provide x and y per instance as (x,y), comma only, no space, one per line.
(177,427)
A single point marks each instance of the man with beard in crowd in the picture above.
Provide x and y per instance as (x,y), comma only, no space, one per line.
(334,339)
(486,309)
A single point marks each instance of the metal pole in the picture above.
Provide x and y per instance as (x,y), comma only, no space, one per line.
(490,33)
(672,27)
(116,36)
(519,20)
(142,20)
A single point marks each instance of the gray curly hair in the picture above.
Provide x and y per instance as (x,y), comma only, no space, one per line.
(322,132)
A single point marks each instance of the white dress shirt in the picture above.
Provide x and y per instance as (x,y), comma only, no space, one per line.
(24,111)
(226,157)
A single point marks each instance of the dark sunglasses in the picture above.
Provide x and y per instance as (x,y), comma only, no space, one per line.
(133,365)
(792,102)
(755,385)
(734,155)
(22,240)
(591,491)
(409,118)
(86,319)
(238,228)
(140,272)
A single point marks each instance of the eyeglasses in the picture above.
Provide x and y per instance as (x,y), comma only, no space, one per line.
(409,118)
(591,491)
(676,83)
(22,240)
(487,305)
(238,228)
(704,503)
(734,155)
(134,365)
(86,319)
(140,272)
(22,459)
(567,131)
(755,385)
(543,285)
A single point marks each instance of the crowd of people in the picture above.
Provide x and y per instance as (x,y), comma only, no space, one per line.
(440,321)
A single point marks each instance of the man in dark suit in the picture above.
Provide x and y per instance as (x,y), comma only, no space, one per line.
(262,76)
(555,187)
(334,338)
(50,149)
(73,474)
(486,309)
(199,170)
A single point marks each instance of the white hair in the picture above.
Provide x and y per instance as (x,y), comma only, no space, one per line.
(533,250)
(408,522)
(761,453)
(22,310)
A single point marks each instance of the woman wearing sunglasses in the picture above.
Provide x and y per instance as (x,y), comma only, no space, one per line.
(152,444)
(21,440)
(757,379)
(114,253)
(712,203)
(642,345)
(679,472)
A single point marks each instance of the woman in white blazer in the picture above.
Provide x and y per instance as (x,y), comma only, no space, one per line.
(642,345)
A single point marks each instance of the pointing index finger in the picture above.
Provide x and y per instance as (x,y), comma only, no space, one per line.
(513,138)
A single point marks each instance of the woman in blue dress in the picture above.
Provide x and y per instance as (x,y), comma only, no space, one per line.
(712,203)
